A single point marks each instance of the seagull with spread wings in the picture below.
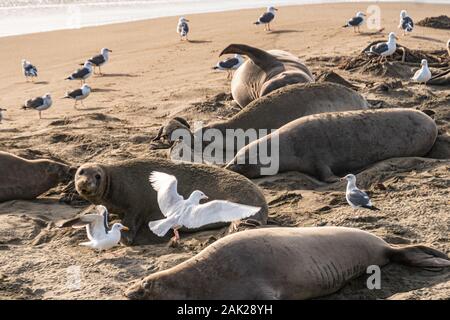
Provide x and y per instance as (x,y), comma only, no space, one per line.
(190,213)
(100,236)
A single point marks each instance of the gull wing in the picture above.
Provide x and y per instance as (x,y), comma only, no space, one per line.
(166,187)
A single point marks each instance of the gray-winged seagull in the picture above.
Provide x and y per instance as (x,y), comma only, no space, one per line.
(183,28)
(355,197)
(99,235)
(82,74)
(229,64)
(385,49)
(266,18)
(356,21)
(29,71)
(40,103)
(79,94)
(100,59)
(406,23)
(190,213)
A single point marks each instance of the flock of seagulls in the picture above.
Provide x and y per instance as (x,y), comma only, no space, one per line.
(43,103)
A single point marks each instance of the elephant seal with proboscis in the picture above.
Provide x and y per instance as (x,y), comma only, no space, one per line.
(327,144)
(280,263)
(124,189)
(264,72)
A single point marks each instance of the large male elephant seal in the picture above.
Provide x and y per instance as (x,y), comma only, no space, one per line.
(332,143)
(280,263)
(22,179)
(266,113)
(264,72)
(124,189)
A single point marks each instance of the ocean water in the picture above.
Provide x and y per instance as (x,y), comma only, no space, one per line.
(30,16)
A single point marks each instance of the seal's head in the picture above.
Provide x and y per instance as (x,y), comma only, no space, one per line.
(91,181)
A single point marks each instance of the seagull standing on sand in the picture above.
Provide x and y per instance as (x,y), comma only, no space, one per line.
(100,236)
(406,23)
(40,103)
(1,114)
(385,49)
(230,64)
(190,213)
(79,94)
(266,18)
(100,59)
(183,28)
(356,198)
(423,74)
(356,21)
(82,74)
(29,71)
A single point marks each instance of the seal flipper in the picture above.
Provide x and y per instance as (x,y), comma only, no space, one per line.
(419,256)
(325,174)
(261,58)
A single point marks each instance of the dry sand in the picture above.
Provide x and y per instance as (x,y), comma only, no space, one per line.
(151,77)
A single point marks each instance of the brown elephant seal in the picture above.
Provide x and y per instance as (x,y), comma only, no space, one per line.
(23,179)
(332,143)
(264,72)
(124,189)
(280,263)
(288,103)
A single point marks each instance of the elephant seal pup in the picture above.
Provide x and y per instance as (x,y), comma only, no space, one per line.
(124,189)
(280,263)
(332,143)
(23,179)
(264,72)
(288,103)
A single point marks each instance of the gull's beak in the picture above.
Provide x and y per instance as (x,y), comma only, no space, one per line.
(187,20)
(364,14)
(125,228)
(109,50)
(342,179)
(206,198)
(396,37)
(276,9)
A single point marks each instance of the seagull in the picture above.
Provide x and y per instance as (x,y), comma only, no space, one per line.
(356,21)
(98,232)
(29,71)
(1,114)
(406,23)
(82,74)
(189,213)
(100,59)
(183,28)
(355,197)
(423,74)
(230,64)
(385,49)
(79,94)
(40,103)
(266,18)
(448,47)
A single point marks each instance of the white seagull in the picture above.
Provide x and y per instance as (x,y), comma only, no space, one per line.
(29,71)
(423,74)
(183,28)
(356,21)
(230,64)
(79,94)
(40,103)
(1,114)
(100,59)
(448,47)
(190,213)
(100,236)
(266,18)
(385,49)
(355,197)
(82,74)
(406,23)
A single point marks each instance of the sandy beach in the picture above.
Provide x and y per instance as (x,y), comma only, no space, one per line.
(152,76)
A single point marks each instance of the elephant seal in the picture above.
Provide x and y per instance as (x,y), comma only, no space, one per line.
(264,72)
(288,103)
(23,179)
(280,263)
(123,188)
(332,143)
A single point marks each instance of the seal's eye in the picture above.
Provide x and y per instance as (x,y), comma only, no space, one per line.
(81,172)
(97,176)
